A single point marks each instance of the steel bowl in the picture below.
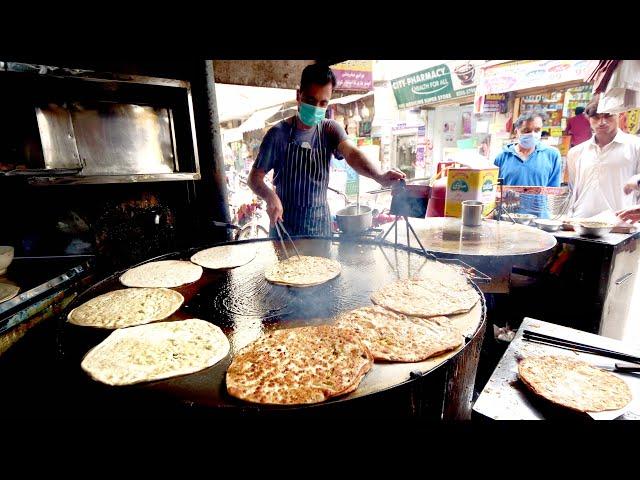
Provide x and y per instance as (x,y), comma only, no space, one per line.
(6,257)
(521,218)
(547,225)
(352,221)
(593,229)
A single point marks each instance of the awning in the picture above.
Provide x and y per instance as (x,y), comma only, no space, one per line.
(231,135)
(239,101)
(257,119)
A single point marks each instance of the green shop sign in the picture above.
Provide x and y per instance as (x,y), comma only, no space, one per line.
(428,86)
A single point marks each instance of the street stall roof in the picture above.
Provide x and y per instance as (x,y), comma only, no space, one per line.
(257,120)
(240,101)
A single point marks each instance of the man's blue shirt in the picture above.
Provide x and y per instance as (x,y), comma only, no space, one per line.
(543,168)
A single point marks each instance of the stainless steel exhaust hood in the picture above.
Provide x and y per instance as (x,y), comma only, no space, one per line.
(105,128)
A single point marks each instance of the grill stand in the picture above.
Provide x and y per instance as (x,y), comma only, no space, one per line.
(473,273)
(499,208)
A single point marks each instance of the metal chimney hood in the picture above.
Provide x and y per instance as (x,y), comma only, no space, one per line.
(102,127)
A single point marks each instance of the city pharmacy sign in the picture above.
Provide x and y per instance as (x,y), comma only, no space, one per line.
(449,80)
(421,88)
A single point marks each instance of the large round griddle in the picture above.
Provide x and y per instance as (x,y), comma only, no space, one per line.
(244,305)
(491,238)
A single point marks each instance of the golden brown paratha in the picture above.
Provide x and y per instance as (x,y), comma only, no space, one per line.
(451,276)
(156,351)
(394,337)
(126,308)
(426,298)
(574,384)
(299,366)
(163,273)
(303,271)
(225,256)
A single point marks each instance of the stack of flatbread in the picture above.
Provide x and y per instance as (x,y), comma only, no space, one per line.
(299,366)
(156,351)
(225,256)
(574,384)
(427,297)
(393,337)
(303,271)
(163,273)
(126,308)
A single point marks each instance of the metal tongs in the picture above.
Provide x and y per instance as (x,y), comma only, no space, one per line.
(280,228)
(633,364)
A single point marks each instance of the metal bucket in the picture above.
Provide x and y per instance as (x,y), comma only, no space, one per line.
(352,220)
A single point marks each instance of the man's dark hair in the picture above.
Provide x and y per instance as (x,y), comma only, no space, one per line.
(528,116)
(318,73)
(579,110)
(544,134)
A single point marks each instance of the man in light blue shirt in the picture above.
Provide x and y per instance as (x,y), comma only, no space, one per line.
(528,162)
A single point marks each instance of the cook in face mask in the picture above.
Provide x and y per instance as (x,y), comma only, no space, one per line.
(311,115)
(298,150)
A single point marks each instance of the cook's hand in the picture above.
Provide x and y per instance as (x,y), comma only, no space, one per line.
(274,209)
(632,184)
(630,187)
(629,214)
(390,177)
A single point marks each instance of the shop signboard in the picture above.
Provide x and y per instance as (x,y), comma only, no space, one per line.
(354,75)
(495,102)
(436,84)
(520,75)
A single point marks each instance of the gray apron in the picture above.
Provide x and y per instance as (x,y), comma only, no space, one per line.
(301,185)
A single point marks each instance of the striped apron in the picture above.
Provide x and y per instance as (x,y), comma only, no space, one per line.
(301,184)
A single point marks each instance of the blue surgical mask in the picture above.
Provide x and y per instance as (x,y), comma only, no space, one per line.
(310,115)
(527,140)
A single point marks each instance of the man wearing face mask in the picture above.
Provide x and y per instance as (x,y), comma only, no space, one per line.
(299,151)
(529,162)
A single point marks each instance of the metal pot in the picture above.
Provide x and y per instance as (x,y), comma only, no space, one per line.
(353,221)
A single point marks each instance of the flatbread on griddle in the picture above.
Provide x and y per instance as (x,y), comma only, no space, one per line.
(163,273)
(157,351)
(451,276)
(303,271)
(299,366)
(574,384)
(393,337)
(225,256)
(127,307)
(426,298)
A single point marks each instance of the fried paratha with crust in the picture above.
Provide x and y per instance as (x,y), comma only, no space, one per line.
(573,383)
(426,298)
(393,337)
(163,273)
(303,271)
(127,307)
(225,256)
(298,366)
(156,351)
